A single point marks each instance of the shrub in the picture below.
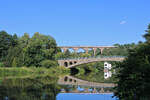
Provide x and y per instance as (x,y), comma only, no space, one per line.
(48,63)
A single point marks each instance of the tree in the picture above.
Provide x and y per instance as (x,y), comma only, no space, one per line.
(147,35)
(24,40)
(6,41)
(134,81)
(59,55)
(48,63)
(120,50)
(38,49)
(84,55)
(14,40)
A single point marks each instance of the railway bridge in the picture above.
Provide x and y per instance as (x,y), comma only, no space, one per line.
(86,48)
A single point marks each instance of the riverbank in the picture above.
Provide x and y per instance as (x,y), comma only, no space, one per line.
(32,71)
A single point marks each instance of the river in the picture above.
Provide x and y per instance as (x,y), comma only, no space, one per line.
(53,88)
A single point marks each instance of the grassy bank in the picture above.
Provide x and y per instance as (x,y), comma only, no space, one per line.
(32,71)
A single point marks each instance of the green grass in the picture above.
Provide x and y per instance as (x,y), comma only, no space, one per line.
(31,71)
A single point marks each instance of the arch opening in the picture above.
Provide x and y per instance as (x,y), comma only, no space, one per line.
(70,63)
(98,52)
(75,62)
(75,81)
(80,50)
(70,80)
(91,51)
(66,64)
(66,79)
(71,50)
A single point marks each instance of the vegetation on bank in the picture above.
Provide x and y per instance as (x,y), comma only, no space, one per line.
(32,72)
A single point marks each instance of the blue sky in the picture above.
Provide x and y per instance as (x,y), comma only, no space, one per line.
(78,22)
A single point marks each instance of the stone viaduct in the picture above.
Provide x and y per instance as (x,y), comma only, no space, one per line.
(86,48)
(70,63)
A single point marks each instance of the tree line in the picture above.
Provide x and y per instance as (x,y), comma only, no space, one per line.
(38,50)
(41,50)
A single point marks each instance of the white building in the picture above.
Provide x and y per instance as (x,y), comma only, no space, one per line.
(107,65)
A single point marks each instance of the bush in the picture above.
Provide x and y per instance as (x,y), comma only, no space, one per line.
(49,63)
(1,64)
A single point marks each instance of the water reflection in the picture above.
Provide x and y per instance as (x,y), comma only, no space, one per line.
(47,87)
(73,85)
(39,88)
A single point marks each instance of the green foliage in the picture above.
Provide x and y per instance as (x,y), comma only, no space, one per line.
(26,51)
(81,71)
(94,72)
(59,55)
(1,64)
(68,54)
(134,74)
(39,48)
(15,55)
(48,63)
(6,41)
(14,63)
(20,72)
(120,50)
(24,40)
(147,35)
(84,55)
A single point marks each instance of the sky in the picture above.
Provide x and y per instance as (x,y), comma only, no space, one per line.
(78,22)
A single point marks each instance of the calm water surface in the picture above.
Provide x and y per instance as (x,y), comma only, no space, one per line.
(72,96)
(52,88)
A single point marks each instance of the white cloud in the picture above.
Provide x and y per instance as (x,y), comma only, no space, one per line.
(123,22)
